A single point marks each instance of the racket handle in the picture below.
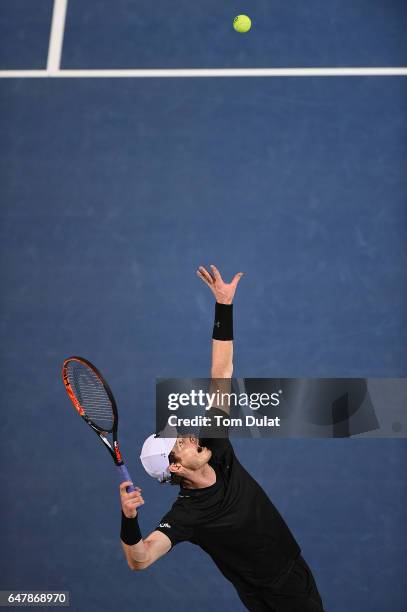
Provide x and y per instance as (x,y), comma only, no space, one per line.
(123,476)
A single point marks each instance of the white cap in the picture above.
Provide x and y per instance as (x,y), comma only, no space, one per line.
(154,457)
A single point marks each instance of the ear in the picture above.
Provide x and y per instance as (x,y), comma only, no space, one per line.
(174,467)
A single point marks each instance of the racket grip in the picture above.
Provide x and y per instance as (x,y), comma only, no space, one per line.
(123,476)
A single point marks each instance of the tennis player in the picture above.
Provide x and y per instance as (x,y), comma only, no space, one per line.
(220,507)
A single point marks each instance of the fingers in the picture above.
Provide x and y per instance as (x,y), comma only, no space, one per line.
(214,279)
(209,277)
(134,503)
(134,495)
(205,276)
(201,276)
(236,279)
(130,507)
(215,273)
(130,501)
(127,483)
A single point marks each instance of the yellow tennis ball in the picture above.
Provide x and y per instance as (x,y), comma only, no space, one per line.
(242,23)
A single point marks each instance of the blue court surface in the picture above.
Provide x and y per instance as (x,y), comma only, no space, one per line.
(114,190)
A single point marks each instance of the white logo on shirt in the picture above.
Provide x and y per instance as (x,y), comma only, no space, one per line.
(165,525)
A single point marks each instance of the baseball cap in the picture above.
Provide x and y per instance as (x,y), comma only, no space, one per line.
(154,457)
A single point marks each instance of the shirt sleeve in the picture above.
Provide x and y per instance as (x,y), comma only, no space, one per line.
(175,527)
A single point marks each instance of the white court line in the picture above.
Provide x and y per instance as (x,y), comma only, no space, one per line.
(203,72)
(56,36)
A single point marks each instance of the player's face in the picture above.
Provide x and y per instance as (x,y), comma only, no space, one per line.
(190,454)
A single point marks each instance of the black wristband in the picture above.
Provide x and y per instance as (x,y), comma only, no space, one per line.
(130,532)
(223,325)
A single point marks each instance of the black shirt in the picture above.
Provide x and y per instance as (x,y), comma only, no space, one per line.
(233,521)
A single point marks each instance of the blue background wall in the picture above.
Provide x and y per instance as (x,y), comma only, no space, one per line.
(113,192)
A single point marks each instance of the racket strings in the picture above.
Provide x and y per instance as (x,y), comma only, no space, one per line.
(91,395)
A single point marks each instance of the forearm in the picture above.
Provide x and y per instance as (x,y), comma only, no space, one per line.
(136,555)
(222,353)
(222,341)
(139,552)
(132,542)
(222,359)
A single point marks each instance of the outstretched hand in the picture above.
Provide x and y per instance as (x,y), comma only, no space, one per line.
(223,292)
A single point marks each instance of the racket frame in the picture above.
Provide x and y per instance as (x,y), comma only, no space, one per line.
(113,450)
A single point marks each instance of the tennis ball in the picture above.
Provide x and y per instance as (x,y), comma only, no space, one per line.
(242,23)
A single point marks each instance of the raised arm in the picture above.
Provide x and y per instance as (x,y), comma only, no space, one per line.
(222,338)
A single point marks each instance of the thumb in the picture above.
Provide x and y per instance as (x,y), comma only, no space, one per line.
(236,279)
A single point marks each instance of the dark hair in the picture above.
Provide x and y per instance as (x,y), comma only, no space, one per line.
(175,479)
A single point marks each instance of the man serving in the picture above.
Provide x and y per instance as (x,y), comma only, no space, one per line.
(220,507)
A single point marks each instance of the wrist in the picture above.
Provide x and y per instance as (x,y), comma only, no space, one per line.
(130,517)
(130,532)
(223,324)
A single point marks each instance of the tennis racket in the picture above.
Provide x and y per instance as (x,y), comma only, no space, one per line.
(93,399)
